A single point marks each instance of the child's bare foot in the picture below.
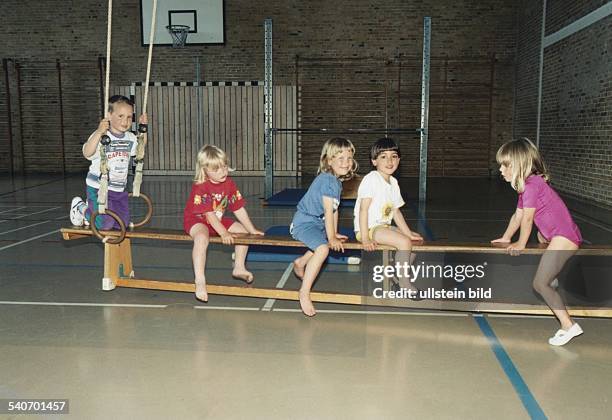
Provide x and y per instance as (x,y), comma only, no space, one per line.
(306,304)
(200,292)
(298,269)
(242,274)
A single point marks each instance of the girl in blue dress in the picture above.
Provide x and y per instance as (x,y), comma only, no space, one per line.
(316,221)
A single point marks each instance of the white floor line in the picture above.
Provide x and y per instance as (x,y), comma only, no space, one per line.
(467,211)
(15,209)
(25,204)
(544,316)
(37,212)
(463,220)
(29,214)
(227,308)
(339,311)
(118,305)
(251,309)
(29,239)
(24,227)
(281,283)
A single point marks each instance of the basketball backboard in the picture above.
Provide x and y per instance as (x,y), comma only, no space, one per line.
(204,18)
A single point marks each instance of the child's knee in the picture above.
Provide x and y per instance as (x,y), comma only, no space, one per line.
(201,240)
(405,244)
(322,250)
(238,228)
(539,286)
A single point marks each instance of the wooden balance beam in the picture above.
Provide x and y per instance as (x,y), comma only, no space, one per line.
(119,272)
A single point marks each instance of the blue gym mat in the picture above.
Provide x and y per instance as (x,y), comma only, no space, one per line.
(288,254)
(292,196)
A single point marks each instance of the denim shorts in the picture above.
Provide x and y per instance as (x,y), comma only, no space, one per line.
(311,233)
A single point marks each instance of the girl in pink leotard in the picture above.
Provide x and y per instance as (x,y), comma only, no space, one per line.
(523,167)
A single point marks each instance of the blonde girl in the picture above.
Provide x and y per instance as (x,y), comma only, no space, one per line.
(212,193)
(522,166)
(316,221)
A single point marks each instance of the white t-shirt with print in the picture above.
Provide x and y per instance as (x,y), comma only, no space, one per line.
(118,154)
(386,197)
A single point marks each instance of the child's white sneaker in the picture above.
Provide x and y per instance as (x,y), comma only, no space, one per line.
(563,337)
(76,217)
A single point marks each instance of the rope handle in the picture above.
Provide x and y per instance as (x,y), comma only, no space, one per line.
(142,128)
(105,140)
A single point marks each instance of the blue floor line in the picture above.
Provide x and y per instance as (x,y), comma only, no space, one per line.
(529,402)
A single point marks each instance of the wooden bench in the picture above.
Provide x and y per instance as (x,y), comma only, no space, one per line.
(119,272)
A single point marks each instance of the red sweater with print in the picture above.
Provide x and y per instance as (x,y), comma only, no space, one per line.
(208,196)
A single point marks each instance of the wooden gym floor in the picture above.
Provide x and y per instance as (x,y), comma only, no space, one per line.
(146,354)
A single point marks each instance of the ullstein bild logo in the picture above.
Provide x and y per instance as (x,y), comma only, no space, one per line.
(413,272)
(424,271)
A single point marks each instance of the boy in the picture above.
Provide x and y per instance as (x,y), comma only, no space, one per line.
(378,204)
(122,146)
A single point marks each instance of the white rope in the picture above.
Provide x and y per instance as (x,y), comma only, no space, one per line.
(151,39)
(108,55)
(103,190)
(140,150)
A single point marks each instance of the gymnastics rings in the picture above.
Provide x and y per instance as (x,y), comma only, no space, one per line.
(113,238)
(109,238)
(149,211)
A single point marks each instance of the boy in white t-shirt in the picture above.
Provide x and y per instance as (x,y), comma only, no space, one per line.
(378,204)
(121,148)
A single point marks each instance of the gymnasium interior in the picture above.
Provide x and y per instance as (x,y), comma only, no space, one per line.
(98,324)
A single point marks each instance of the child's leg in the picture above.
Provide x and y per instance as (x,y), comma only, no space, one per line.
(393,237)
(541,239)
(310,274)
(240,271)
(299,264)
(558,252)
(103,222)
(92,207)
(119,203)
(200,236)
(312,235)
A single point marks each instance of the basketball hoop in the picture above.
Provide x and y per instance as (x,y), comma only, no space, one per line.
(179,35)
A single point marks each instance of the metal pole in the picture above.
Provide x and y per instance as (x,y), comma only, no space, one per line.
(399,90)
(386,97)
(340,130)
(491,92)
(444,115)
(268,112)
(61,115)
(20,107)
(199,128)
(424,111)
(9,116)
(540,73)
(298,110)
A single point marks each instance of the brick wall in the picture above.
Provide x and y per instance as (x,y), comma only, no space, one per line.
(463,33)
(576,122)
